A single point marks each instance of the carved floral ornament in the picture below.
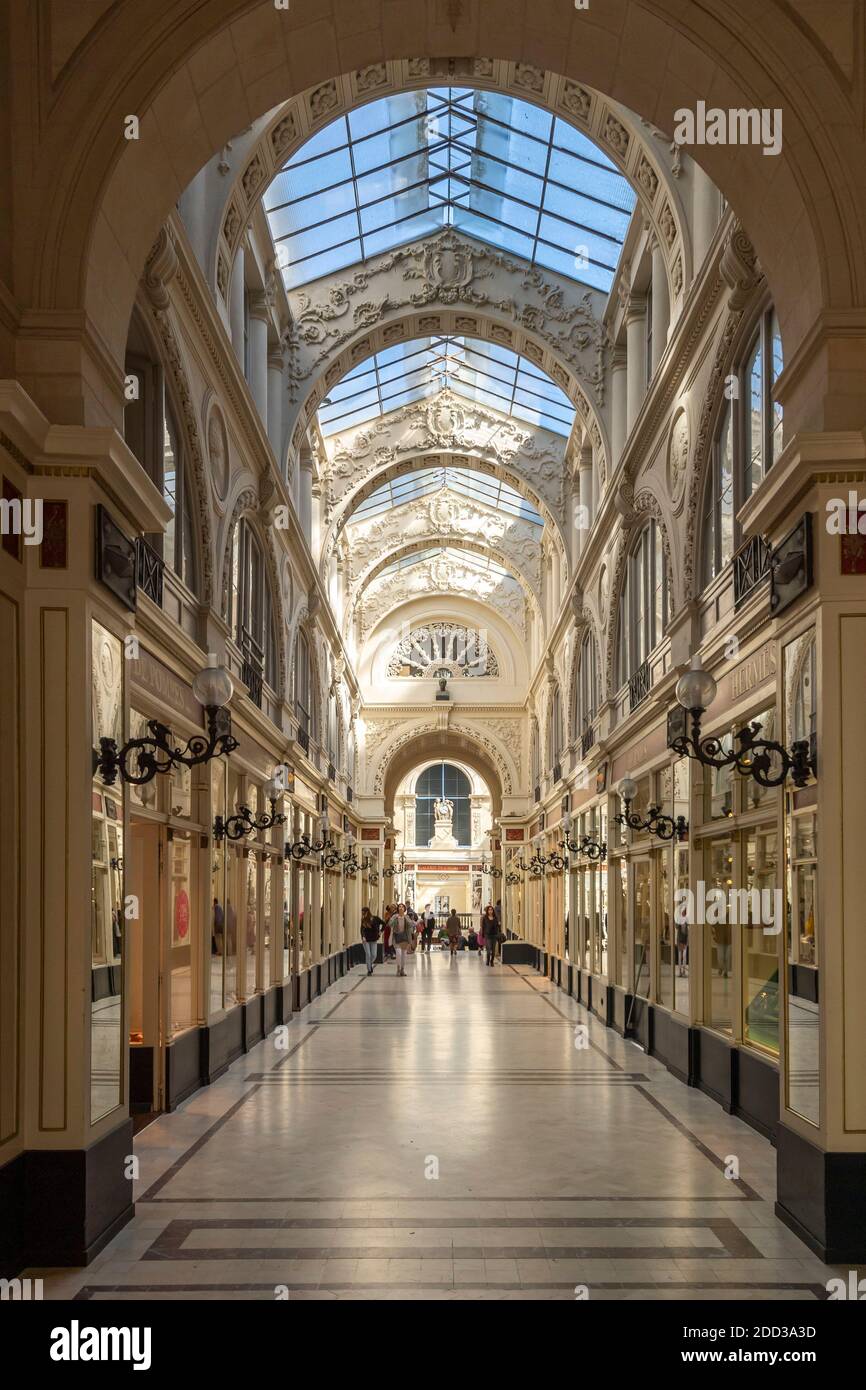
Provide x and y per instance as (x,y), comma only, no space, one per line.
(502,761)
(448,424)
(389,592)
(444,270)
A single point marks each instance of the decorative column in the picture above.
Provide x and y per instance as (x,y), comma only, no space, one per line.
(258,365)
(706,204)
(619,403)
(661,305)
(237,296)
(305,495)
(587,500)
(275,407)
(636,364)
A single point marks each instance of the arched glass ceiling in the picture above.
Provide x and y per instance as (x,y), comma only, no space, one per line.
(459,557)
(478,487)
(486,373)
(494,167)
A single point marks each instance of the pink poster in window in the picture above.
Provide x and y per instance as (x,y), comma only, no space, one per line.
(181,917)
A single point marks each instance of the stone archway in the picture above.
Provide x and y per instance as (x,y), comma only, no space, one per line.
(195,76)
(445,745)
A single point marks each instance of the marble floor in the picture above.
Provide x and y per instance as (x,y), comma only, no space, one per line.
(447,1136)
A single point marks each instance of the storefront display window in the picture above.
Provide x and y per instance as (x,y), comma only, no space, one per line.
(601,880)
(218,889)
(681,935)
(251,921)
(181,919)
(621,890)
(761,941)
(802,927)
(667,949)
(269,868)
(642,958)
(107,883)
(718,939)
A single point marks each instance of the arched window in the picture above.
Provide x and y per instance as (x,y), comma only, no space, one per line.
(333,749)
(178,542)
(643,608)
(554,730)
(350,754)
(747,444)
(151,430)
(250,610)
(303,694)
(587,684)
(443,782)
(535,762)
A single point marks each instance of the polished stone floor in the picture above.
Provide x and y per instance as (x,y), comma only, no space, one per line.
(446,1136)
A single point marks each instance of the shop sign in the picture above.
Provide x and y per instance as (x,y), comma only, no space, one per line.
(755,671)
(151,676)
(513,833)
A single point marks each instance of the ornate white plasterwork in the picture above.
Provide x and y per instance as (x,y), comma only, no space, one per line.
(446,423)
(384,750)
(449,269)
(443,575)
(442,518)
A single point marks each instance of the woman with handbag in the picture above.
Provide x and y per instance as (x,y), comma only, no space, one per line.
(402,935)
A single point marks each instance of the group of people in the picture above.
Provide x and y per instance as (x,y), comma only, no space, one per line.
(403,931)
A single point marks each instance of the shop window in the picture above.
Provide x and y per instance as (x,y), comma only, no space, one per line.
(181,1005)
(761,940)
(642,956)
(681,930)
(718,935)
(107,883)
(802,945)
(643,609)
(621,890)
(747,444)
(218,889)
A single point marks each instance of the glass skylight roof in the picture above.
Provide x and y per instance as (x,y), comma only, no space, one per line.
(479,487)
(496,168)
(460,557)
(491,375)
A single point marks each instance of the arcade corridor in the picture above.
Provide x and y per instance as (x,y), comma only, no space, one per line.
(309,1170)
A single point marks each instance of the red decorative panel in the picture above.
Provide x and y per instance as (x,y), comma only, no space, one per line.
(853,555)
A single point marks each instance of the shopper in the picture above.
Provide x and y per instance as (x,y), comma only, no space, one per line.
(370,929)
(403,933)
(452,927)
(472,943)
(387,948)
(429,929)
(490,932)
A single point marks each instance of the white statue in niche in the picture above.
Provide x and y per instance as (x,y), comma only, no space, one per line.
(443,815)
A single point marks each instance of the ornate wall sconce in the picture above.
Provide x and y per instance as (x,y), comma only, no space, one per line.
(395,870)
(245,823)
(591,848)
(751,757)
(305,847)
(139,760)
(665,827)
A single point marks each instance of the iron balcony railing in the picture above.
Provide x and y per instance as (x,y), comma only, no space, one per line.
(639,685)
(587,739)
(751,568)
(150,569)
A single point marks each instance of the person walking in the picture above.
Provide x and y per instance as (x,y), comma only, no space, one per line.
(452,926)
(490,932)
(387,948)
(370,928)
(429,929)
(403,934)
